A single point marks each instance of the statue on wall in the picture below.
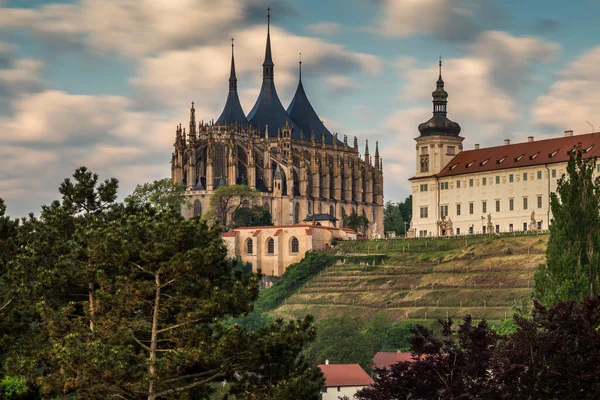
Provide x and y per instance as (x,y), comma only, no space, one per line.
(490,224)
(533,223)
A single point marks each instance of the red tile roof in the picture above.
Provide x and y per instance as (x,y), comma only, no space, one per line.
(255,234)
(540,152)
(278,232)
(288,226)
(308,231)
(345,375)
(229,234)
(384,359)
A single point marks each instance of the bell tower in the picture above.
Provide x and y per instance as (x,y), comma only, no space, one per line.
(439,139)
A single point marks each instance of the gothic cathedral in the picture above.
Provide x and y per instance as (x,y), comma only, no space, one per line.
(300,168)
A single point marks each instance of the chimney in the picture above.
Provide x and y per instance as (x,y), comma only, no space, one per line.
(506,141)
(568,133)
(326,362)
(476,146)
(398,351)
(530,139)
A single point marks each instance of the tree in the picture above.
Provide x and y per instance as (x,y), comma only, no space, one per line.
(572,268)
(358,223)
(255,216)
(447,368)
(153,324)
(406,209)
(162,194)
(227,200)
(392,218)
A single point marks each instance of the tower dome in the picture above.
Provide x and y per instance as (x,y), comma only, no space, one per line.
(439,124)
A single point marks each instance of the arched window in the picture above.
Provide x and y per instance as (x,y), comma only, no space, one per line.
(197,208)
(297,213)
(295,245)
(320,210)
(249,246)
(270,246)
(331,211)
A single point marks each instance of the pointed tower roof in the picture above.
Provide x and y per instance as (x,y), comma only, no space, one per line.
(232,112)
(303,113)
(268,109)
(439,124)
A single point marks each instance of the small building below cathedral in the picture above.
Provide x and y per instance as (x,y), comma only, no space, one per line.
(272,249)
(497,189)
(299,167)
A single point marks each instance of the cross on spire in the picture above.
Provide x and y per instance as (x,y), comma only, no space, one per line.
(300,68)
(268,18)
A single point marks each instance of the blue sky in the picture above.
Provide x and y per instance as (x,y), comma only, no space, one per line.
(103,83)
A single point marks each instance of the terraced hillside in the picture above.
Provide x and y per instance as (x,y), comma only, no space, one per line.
(423,279)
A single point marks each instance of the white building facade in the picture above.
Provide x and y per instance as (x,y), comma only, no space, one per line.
(485,190)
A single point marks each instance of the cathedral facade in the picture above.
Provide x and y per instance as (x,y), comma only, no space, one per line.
(299,168)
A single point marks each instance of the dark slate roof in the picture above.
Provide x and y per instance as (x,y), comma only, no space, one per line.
(268,110)
(320,217)
(304,115)
(232,112)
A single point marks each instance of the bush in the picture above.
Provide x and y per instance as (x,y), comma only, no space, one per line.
(295,276)
(13,387)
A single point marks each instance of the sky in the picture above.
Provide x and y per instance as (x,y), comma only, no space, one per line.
(104,83)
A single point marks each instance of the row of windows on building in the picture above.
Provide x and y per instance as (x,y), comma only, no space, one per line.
(471,230)
(294,246)
(424,211)
(424,187)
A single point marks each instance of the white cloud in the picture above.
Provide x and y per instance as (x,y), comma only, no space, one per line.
(132,27)
(573,99)
(18,77)
(340,84)
(446,19)
(325,28)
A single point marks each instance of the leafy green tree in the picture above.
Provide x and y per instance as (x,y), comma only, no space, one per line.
(572,268)
(162,194)
(255,216)
(358,223)
(392,218)
(227,200)
(129,301)
(406,209)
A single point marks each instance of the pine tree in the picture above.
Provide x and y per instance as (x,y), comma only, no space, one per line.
(572,256)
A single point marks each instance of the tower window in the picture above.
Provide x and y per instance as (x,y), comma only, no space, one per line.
(484,206)
(249,246)
(295,245)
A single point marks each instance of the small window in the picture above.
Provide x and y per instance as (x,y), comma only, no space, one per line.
(324,390)
(511,178)
(484,181)
(497,228)
(339,388)
(524,226)
(539,224)
(423,187)
(197,208)
(470,182)
(270,246)
(534,156)
(519,158)
(588,149)
(511,204)
(471,163)
(554,173)
(295,245)
(443,185)
(458,231)
(423,212)
(497,205)
(458,182)
(524,176)
(500,160)
(510,227)
(498,180)
(484,162)
(553,153)
(539,174)
(451,150)
(471,208)
(423,233)
(484,206)
(525,203)
(539,202)
(458,209)
(249,246)
(444,211)
(453,166)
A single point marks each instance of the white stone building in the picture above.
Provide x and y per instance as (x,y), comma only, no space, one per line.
(496,189)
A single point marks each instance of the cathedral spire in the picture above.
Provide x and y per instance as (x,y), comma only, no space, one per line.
(192,120)
(232,78)
(300,69)
(377,154)
(268,63)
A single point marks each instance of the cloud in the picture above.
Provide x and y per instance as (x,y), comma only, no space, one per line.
(52,132)
(340,84)
(18,77)
(325,28)
(134,28)
(174,78)
(572,99)
(363,112)
(452,20)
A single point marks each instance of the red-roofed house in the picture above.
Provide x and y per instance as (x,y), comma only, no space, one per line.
(384,359)
(485,190)
(273,248)
(343,380)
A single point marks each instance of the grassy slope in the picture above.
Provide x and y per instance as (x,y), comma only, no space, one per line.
(423,279)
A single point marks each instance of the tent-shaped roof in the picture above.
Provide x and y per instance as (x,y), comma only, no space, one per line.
(232,112)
